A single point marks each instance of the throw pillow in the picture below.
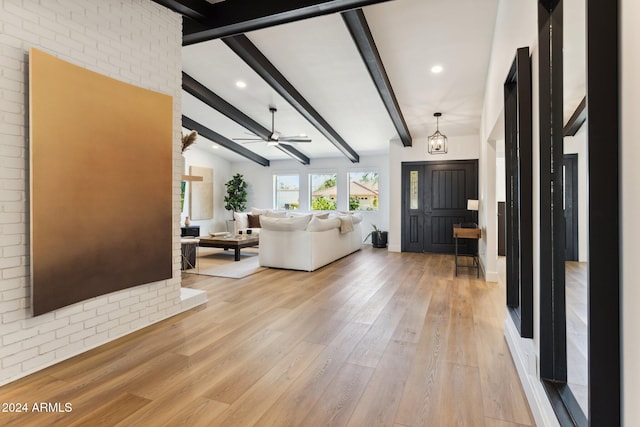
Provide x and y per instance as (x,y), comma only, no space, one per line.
(346,224)
(285,224)
(242,220)
(356,218)
(272,214)
(319,224)
(256,211)
(254,221)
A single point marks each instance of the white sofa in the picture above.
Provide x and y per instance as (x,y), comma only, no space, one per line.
(241,219)
(306,242)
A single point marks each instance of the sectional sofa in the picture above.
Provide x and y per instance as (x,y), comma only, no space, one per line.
(299,241)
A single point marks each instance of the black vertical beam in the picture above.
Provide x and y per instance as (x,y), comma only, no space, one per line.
(513,256)
(361,34)
(603,66)
(525,153)
(553,331)
(519,173)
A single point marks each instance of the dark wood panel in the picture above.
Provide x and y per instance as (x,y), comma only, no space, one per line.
(449,189)
(414,229)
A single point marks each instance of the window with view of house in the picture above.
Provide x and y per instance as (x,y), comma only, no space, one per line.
(324,191)
(363,191)
(286,189)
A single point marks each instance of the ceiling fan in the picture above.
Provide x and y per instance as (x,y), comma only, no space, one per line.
(274,137)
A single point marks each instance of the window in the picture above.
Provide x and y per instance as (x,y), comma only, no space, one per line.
(286,189)
(363,191)
(324,191)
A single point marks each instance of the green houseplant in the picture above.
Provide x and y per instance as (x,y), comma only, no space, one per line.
(236,197)
(378,237)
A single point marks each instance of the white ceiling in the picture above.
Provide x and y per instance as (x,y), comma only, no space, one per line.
(320,59)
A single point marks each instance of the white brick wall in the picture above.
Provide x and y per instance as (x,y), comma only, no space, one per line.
(135,41)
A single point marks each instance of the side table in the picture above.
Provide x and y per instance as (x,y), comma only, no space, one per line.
(188,250)
(192,230)
(467,233)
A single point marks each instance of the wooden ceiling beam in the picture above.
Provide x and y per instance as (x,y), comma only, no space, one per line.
(577,119)
(250,54)
(196,10)
(223,141)
(229,18)
(204,94)
(361,34)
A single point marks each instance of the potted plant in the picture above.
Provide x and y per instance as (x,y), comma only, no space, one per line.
(378,237)
(236,197)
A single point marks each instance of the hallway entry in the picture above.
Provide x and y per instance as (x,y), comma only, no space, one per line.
(434,197)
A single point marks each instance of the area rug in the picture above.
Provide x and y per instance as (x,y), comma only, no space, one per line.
(221,264)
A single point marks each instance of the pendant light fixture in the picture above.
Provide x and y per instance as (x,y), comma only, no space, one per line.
(437,143)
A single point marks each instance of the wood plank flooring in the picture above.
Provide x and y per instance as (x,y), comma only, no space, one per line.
(577,290)
(374,339)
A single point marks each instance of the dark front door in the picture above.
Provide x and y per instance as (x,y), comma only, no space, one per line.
(434,197)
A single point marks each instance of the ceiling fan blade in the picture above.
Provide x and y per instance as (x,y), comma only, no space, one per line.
(291,142)
(247,140)
(293,139)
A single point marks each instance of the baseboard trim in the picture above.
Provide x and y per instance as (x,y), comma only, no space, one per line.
(525,359)
(491,276)
(394,248)
(189,298)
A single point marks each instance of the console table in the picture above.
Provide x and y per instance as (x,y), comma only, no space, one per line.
(475,233)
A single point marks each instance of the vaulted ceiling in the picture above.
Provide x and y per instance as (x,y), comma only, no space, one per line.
(351,75)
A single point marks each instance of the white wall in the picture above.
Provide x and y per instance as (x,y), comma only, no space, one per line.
(516,26)
(630,196)
(138,42)
(460,148)
(501,179)
(488,211)
(195,156)
(260,180)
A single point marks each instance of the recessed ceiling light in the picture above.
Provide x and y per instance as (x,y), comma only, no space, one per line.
(240,84)
(437,69)
(215,147)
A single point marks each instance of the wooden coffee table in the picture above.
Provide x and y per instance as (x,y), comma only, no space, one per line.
(235,243)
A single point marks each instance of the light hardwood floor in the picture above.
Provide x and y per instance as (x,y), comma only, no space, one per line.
(577,331)
(374,339)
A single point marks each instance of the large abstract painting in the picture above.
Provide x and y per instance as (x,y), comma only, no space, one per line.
(201,193)
(101,184)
